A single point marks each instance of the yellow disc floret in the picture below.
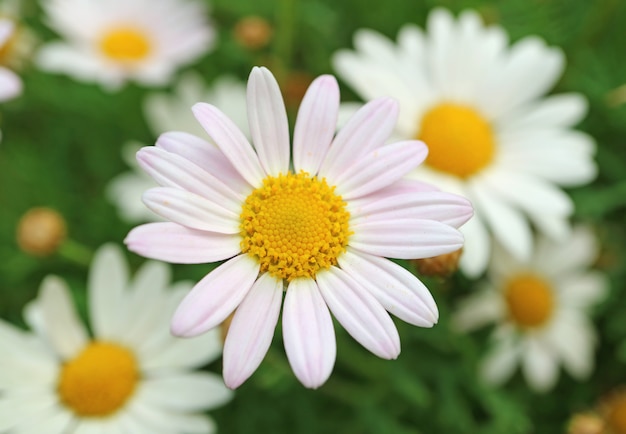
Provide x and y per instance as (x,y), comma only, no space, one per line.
(529,299)
(99,380)
(460,141)
(294,225)
(125,44)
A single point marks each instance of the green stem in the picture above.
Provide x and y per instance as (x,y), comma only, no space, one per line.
(283,46)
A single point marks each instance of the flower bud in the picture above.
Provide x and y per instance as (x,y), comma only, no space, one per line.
(41,231)
(253,32)
(441,266)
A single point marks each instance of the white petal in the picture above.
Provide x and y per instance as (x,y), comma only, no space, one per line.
(308,333)
(405,239)
(584,289)
(56,421)
(562,110)
(185,392)
(108,279)
(365,131)
(573,338)
(478,310)
(477,247)
(188,353)
(252,329)
(215,296)
(500,363)
(315,124)
(10,85)
(15,408)
(64,329)
(378,168)
(539,365)
(577,252)
(268,121)
(166,422)
(231,142)
(359,313)
(171,242)
(189,209)
(399,291)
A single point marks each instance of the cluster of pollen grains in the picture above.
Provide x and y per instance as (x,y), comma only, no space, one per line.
(99,380)
(295,225)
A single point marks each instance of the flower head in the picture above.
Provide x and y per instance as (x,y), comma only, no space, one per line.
(131,375)
(541,310)
(316,225)
(118,40)
(478,106)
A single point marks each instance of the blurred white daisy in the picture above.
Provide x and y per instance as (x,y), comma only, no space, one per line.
(319,225)
(491,135)
(540,308)
(10,83)
(172,112)
(113,41)
(130,376)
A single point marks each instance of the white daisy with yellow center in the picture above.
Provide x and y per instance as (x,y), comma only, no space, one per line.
(171,112)
(317,228)
(113,41)
(541,311)
(478,106)
(130,376)
(10,83)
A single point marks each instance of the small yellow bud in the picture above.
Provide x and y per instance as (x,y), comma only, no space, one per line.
(41,231)
(253,32)
(442,265)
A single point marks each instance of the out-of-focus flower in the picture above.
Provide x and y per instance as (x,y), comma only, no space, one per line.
(113,41)
(586,423)
(541,310)
(253,32)
(321,230)
(492,137)
(165,112)
(41,231)
(131,376)
(10,83)
(613,411)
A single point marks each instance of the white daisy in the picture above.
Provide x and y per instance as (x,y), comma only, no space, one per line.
(131,376)
(492,137)
(10,83)
(172,112)
(113,41)
(319,226)
(541,311)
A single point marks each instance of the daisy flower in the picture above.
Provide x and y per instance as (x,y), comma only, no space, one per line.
(111,42)
(316,225)
(131,376)
(541,310)
(491,134)
(171,112)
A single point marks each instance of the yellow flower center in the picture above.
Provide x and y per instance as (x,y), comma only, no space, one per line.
(294,225)
(529,300)
(125,44)
(616,414)
(99,380)
(460,141)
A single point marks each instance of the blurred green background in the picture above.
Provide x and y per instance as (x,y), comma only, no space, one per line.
(61,146)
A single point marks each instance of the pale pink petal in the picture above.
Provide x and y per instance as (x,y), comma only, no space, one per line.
(10,85)
(268,121)
(378,168)
(447,208)
(171,170)
(308,333)
(399,291)
(231,141)
(63,327)
(204,154)
(405,239)
(189,209)
(252,329)
(107,283)
(214,298)
(401,187)
(171,242)
(315,124)
(366,130)
(359,313)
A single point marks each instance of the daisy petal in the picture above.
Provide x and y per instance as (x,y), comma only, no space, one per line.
(315,124)
(56,421)
(308,333)
(231,142)
(399,291)
(479,309)
(190,210)
(366,130)
(63,327)
(405,239)
(500,363)
(359,313)
(171,242)
(213,298)
(378,168)
(539,365)
(251,331)
(477,247)
(268,121)
(11,85)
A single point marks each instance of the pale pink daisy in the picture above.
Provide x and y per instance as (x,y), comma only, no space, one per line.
(316,226)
